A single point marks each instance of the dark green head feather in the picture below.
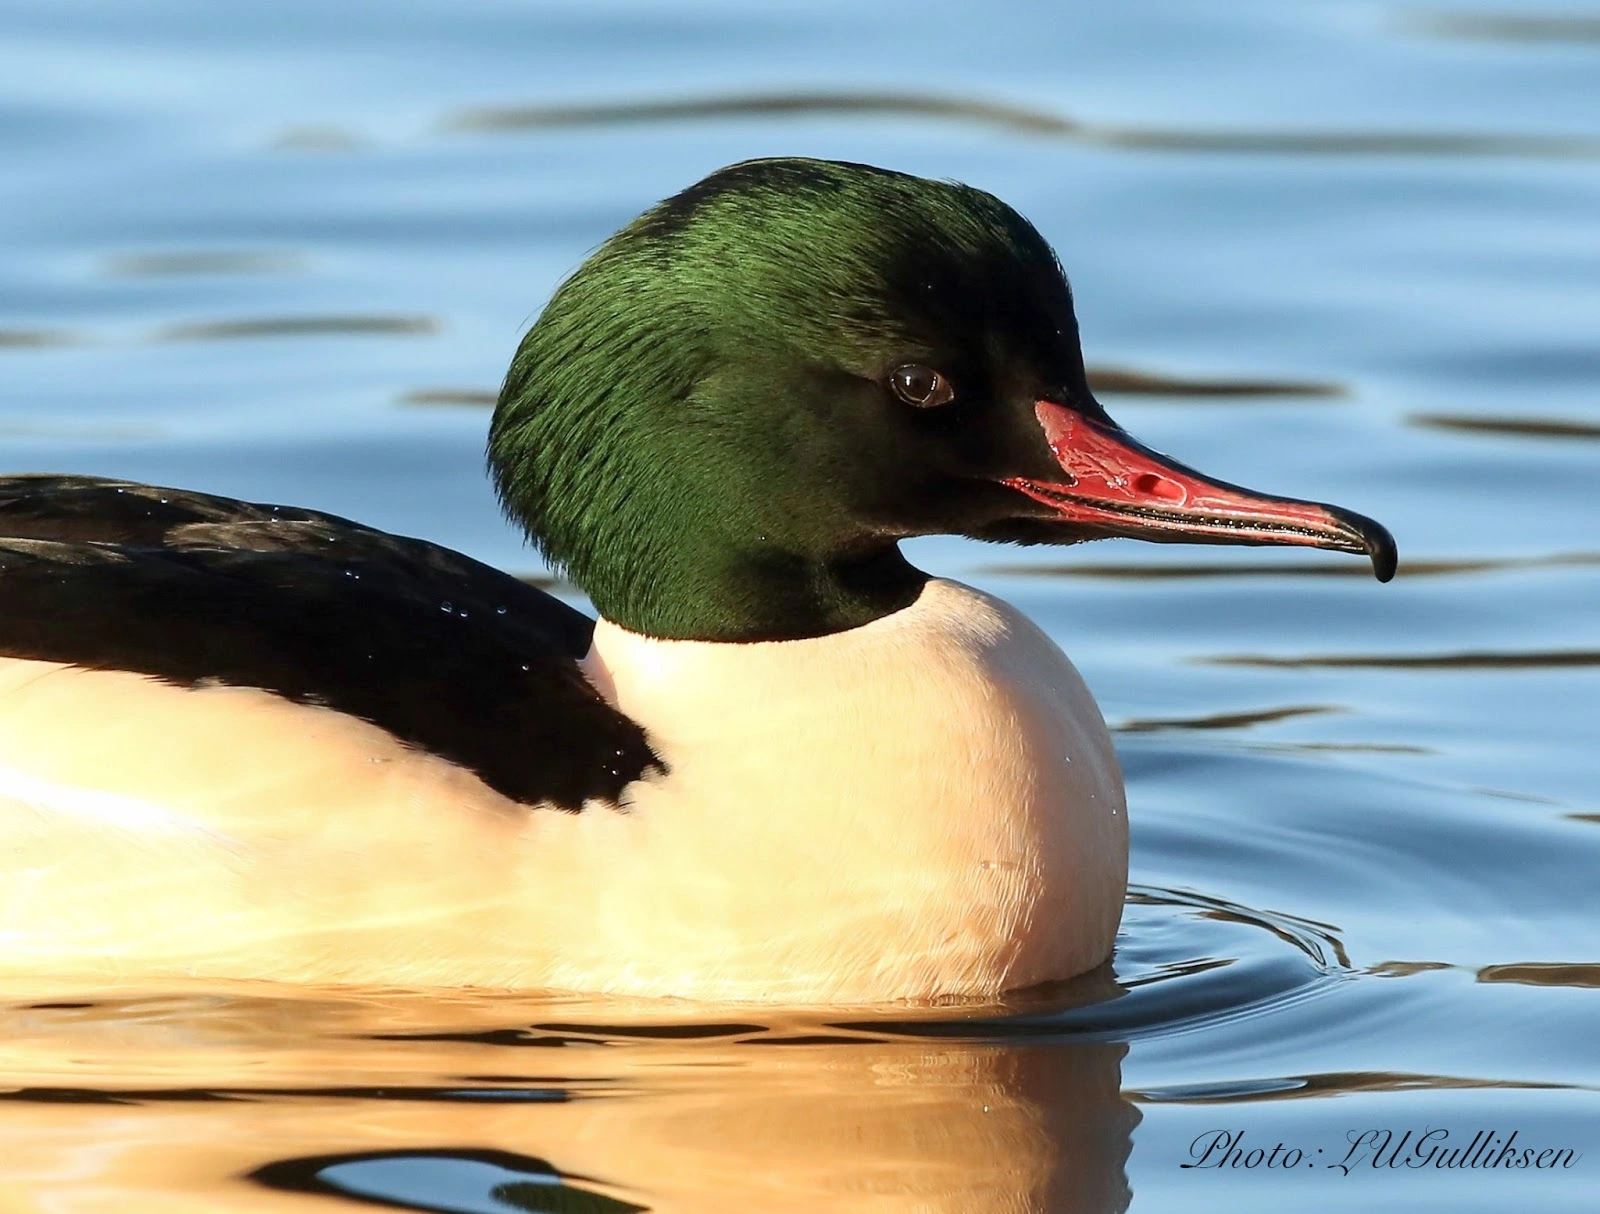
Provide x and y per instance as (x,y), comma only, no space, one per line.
(700,426)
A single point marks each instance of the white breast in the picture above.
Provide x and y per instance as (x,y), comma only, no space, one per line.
(927,805)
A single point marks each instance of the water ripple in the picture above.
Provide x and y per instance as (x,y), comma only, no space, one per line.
(1129,382)
(1508,27)
(1543,973)
(302,326)
(468,397)
(161,265)
(1331,1083)
(34,339)
(1020,120)
(1521,427)
(1466,660)
(1224,720)
(1185,961)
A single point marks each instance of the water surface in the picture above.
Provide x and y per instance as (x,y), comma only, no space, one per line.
(1343,251)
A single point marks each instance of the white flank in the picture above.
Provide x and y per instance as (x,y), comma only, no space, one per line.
(103,809)
(925,806)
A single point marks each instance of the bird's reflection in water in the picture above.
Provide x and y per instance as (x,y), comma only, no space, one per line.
(848,1127)
(768,1119)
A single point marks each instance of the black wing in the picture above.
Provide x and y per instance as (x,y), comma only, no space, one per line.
(448,654)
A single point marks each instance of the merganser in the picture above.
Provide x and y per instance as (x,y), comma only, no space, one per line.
(256,742)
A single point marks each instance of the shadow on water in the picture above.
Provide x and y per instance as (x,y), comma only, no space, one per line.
(1018,120)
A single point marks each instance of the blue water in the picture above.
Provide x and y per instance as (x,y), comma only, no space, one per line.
(282,251)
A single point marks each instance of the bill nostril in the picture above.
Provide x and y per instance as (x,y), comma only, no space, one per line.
(1152,485)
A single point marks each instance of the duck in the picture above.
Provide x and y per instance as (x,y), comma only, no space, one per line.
(254,742)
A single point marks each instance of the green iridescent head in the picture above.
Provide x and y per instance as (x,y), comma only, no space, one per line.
(723,423)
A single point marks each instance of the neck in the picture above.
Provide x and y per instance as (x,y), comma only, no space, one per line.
(709,592)
(689,528)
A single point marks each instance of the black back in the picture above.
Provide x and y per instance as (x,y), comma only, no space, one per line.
(449,655)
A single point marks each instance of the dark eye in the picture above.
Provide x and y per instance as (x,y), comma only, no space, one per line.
(921,386)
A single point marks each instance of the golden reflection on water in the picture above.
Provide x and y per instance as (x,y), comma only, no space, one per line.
(171,1101)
